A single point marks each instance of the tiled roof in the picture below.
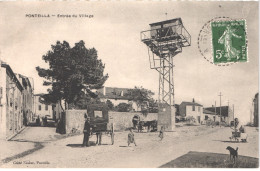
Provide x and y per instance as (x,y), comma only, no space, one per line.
(190,103)
(115,93)
(13,76)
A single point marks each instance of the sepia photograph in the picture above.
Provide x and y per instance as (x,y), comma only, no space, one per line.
(129,84)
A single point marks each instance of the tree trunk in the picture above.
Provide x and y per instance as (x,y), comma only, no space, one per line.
(61,106)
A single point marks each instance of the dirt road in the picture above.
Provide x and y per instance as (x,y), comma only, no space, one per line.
(150,151)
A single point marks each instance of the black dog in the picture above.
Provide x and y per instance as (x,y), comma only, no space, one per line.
(233,153)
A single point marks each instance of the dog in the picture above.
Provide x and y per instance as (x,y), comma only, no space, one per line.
(233,153)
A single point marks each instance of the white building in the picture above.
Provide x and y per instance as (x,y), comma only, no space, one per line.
(41,109)
(117,96)
(191,109)
(11,103)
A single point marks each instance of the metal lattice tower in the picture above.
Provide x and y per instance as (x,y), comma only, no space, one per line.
(164,41)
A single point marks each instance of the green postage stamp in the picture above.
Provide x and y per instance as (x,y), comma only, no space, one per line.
(229,42)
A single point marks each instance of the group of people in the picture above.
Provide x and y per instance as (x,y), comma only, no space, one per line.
(44,121)
(87,132)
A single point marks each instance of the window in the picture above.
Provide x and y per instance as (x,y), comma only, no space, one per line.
(193,108)
(40,107)
(98,114)
(206,117)
(199,109)
(46,107)
(39,99)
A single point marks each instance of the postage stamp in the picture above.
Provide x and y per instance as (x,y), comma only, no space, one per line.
(222,41)
(229,41)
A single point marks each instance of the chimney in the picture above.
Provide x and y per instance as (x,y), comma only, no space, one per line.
(212,105)
(193,100)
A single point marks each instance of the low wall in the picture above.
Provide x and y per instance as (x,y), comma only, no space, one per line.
(122,120)
(75,121)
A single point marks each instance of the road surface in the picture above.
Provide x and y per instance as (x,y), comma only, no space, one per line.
(150,152)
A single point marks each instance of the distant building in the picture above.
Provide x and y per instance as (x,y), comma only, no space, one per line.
(209,115)
(42,109)
(256,115)
(191,109)
(227,114)
(117,96)
(11,103)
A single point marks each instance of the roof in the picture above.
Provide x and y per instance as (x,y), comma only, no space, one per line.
(224,110)
(13,76)
(190,104)
(166,22)
(208,112)
(115,93)
(25,80)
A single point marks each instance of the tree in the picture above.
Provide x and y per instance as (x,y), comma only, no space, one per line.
(142,97)
(153,106)
(124,107)
(110,105)
(72,73)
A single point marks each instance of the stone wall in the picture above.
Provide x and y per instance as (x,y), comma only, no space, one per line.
(74,121)
(121,120)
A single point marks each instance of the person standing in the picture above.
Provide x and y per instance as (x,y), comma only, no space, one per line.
(86,131)
(161,135)
(131,137)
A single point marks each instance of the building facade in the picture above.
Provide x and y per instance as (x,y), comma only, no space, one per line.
(191,109)
(117,96)
(11,107)
(27,98)
(41,109)
(210,116)
(224,113)
(256,115)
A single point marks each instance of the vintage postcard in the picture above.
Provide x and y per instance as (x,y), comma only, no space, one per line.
(131,84)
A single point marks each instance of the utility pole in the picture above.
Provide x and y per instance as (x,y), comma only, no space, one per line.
(215,111)
(220,106)
(234,114)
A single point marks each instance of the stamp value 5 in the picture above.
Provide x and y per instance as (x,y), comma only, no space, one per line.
(229,41)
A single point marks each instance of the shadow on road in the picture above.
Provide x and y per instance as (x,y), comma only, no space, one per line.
(230,141)
(37,146)
(50,123)
(91,143)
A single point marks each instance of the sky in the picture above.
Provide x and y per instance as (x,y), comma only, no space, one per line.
(115,32)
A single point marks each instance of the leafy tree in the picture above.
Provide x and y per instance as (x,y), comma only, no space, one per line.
(124,107)
(72,73)
(142,97)
(110,105)
(153,106)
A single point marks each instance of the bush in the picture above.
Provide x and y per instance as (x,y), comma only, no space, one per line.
(110,105)
(190,119)
(124,107)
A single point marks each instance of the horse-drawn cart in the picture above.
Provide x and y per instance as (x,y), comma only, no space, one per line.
(100,121)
